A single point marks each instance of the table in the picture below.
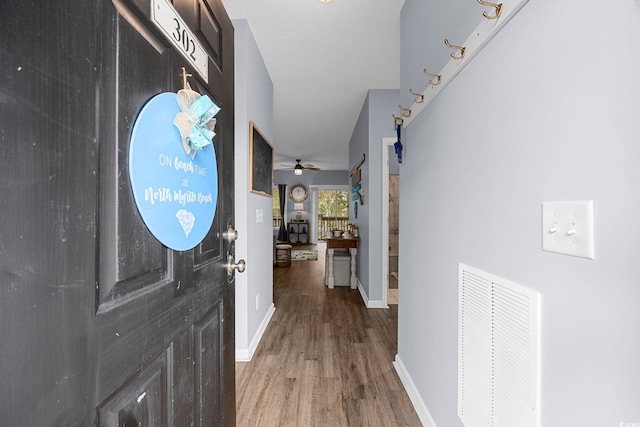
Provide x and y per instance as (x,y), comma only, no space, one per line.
(334,243)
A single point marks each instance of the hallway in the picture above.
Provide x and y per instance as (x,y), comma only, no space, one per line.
(324,360)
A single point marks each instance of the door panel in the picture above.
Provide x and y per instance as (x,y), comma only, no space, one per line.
(144,400)
(208,339)
(209,30)
(211,247)
(131,259)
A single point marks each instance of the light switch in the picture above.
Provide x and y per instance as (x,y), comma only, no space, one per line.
(568,228)
(259,216)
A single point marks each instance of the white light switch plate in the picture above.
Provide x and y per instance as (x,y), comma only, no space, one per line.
(259,216)
(568,228)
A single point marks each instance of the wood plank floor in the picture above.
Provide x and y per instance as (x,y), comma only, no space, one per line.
(324,360)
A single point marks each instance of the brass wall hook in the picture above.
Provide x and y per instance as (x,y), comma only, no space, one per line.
(420,96)
(452,46)
(397,120)
(497,6)
(438,78)
(406,112)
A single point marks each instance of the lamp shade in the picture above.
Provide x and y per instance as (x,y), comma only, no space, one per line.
(299,208)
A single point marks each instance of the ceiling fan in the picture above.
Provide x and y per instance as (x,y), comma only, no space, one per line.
(298,168)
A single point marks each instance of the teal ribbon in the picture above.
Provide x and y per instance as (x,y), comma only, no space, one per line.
(201,111)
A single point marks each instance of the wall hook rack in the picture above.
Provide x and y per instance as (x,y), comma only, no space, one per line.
(477,39)
(452,46)
(497,6)
(397,120)
(438,77)
(406,112)
(420,97)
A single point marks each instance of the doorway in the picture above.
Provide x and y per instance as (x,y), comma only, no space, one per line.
(390,222)
(394,232)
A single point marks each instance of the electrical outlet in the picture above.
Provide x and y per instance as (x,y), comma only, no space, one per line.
(257,302)
(568,228)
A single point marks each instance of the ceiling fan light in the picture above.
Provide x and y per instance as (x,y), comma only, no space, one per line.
(297,170)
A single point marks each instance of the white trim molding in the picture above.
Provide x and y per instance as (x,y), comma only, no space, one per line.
(370,303)
(384,266)
(414,395)
(246,354)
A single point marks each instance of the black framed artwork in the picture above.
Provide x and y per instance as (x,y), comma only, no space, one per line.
(260,162)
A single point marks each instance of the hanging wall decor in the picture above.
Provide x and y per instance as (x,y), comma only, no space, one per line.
(398,145)
(173,173)
(260,162)
(357,193)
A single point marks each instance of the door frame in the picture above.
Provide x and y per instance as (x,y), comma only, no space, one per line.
(386,143)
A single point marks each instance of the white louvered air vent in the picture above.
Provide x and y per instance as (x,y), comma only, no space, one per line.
(498,351)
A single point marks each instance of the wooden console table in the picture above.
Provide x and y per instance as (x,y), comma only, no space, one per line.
(342,243)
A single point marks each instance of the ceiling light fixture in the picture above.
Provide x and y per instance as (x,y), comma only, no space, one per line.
(298,169)
(325,1)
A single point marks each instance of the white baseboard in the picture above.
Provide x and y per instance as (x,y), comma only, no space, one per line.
(414,395)
(245,354)
(367,302)
(376,304)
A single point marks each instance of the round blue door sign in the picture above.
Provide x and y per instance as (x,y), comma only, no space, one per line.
(176,194)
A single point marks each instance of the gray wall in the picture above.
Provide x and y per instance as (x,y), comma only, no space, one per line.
(548,110)
(255,239)
(374,123)
(359,145)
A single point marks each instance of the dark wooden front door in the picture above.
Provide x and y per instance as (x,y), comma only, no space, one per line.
(100,324)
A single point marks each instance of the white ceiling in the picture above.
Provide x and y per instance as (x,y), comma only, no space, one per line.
(322,59)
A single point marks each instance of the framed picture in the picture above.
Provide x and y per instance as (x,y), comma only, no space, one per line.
(260,162)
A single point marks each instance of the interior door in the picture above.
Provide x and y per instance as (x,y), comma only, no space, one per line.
(100,323)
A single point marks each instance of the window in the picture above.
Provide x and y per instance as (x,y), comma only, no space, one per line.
(333,211)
